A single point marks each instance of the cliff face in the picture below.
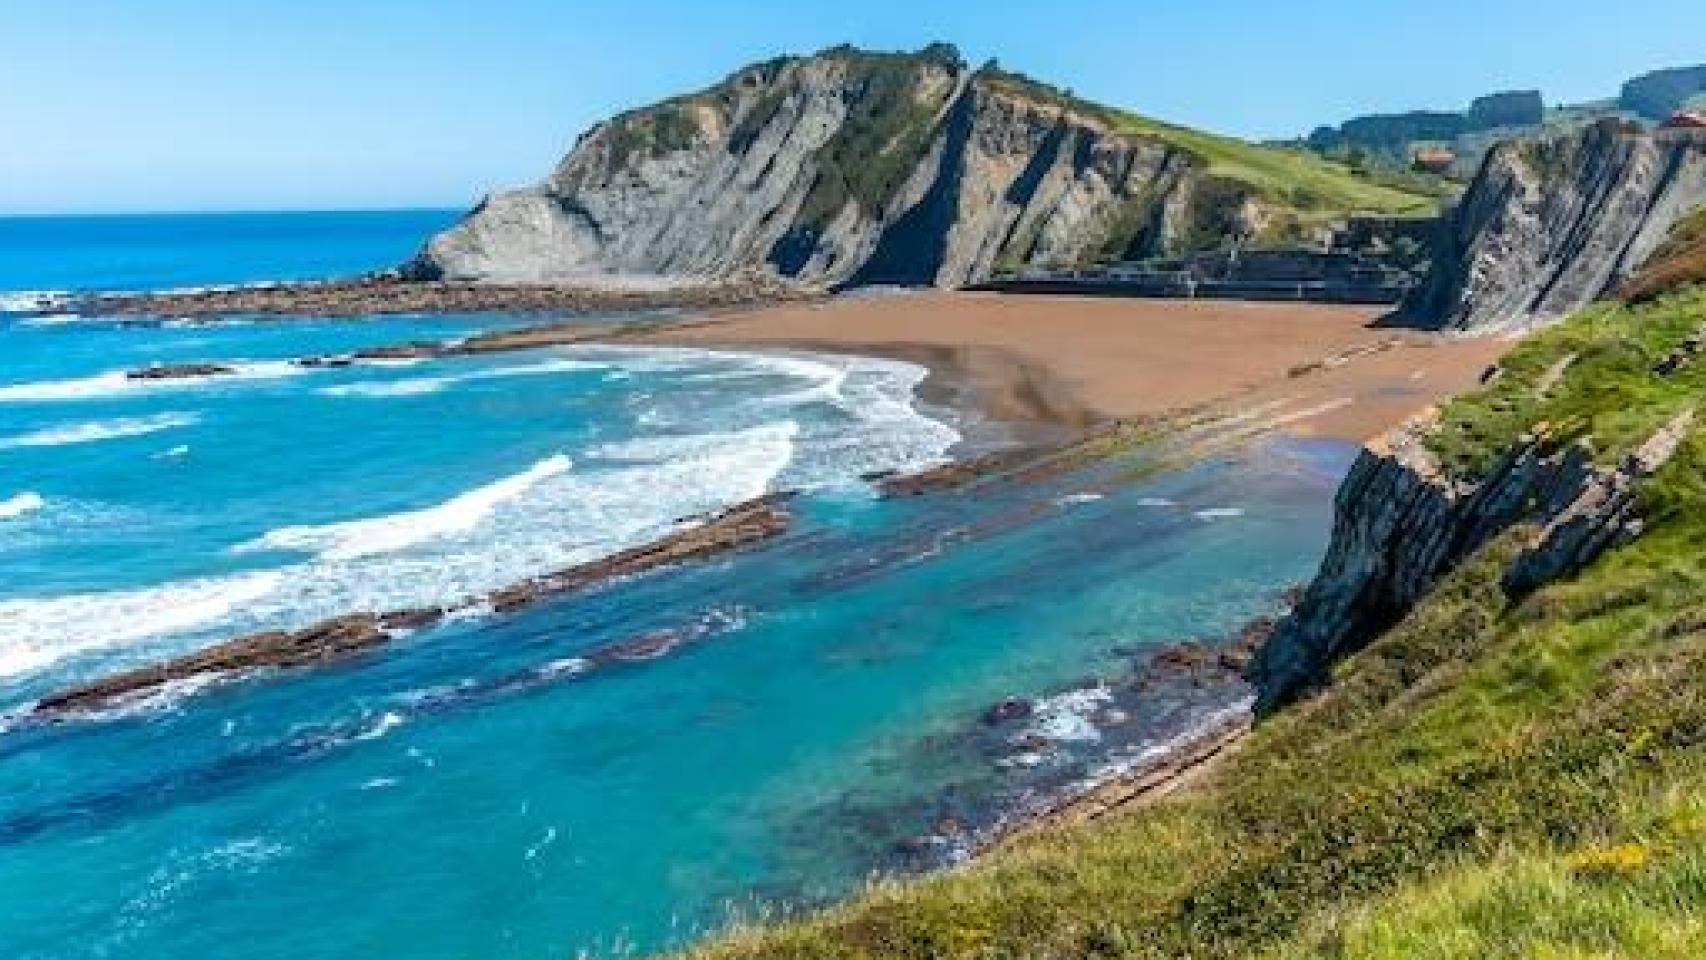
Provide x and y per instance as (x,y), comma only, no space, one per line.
(1400,525)
(1549,226)
(849,167)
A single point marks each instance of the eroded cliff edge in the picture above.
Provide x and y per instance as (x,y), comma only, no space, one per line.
(854,167)
(1405,517)
(1550,225)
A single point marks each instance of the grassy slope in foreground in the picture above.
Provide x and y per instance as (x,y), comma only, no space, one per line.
(1492,778)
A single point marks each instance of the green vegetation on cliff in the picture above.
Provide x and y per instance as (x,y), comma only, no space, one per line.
(888,130)
(1289,177)
(1295,178)
(1496,776)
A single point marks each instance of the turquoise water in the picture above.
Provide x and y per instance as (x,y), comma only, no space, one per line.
(501,786)
(168,251)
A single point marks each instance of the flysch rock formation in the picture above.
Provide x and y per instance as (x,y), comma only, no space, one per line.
(1550,225)
(847,167)
(1400,525)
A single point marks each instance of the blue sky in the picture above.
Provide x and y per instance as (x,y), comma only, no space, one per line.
(114,105)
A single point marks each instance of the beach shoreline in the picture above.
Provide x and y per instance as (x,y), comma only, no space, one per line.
(1303,370)
(1034,384)
(1053,366)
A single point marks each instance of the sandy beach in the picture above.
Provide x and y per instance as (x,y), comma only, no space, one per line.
(1074,361)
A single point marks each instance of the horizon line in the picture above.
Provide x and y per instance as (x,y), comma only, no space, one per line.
(228,211)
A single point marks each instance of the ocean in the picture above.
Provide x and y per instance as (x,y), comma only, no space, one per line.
(492,787)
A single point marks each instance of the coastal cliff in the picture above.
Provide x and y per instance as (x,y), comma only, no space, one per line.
(853,167)
(1402,522)
(1550,225)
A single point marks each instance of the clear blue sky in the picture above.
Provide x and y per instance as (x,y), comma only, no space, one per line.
(253,104)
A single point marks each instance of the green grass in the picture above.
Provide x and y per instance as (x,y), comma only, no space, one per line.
(1492,778)
(1609,396)
(1291,177)
(1297,178)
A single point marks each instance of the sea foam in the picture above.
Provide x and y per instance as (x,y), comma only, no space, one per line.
(19,504)
(545,518)
(31,301)
(417,386)
(96,431)
(538,518)
(354,539)
(116,383)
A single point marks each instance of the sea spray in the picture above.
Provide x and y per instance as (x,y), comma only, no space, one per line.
(96,431)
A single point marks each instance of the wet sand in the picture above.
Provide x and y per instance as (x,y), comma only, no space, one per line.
(1075,361)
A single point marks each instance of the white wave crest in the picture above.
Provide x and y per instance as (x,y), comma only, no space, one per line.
(117,383)
(547,518)
(54,320)
(31,301)
(36,633)
(20,504)
(544,518)
(1068,716)
(354,539)
(417,386)
(99,430)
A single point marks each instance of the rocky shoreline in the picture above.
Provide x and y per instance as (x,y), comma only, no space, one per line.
(1086,751)
(343,637)
(380,295)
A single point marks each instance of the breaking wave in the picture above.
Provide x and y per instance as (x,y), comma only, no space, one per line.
(545,518)
(532,518)
(19,504)
(98,430)
(115,383)
(417,386)
(363,538)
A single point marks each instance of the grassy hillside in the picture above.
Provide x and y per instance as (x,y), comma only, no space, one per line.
(1294,178)
(1298,178)
(1493,778)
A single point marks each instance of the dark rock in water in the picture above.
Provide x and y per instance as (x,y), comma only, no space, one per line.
(742,525)
(375,296)
(335,639)
(418,350)
(1185,658)
(322,643)
(1009,710)
(1033,743)
(949,825)
(648,646)
(325,363)
(180,371)
(405,620)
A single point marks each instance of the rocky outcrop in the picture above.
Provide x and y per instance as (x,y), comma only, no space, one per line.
(378,295)
(342,637)
(1550,225)
(850,167)
(179,371)
(1401,525)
